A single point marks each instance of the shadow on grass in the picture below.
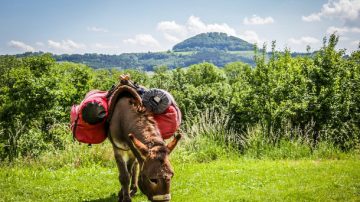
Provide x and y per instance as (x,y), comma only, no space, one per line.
(110,198)
(113,198)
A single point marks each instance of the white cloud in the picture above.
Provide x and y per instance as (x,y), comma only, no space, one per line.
(174,32)
(54,44)
(311,18)
(97,29)
(171,26)
(337,30)
(342,30)
(355,43)
(21,46)
(65,46)
(143,40)
(171,38)
(305,40)
(250,36)
(102,46)
(195,26)
(347,9)
(343,9)
(344,38)
(355,29)
(257,20)
(41,44)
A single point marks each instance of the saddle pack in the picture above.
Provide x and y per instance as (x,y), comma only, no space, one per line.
(167,115)
(89,120)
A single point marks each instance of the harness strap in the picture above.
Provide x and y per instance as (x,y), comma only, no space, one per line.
(164,197)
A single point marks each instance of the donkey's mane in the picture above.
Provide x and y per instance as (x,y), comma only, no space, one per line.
(152,137)
(147,126)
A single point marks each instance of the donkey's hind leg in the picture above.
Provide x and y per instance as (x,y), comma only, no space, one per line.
(122,158)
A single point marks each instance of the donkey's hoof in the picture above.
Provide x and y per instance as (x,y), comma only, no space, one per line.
(126,199)
(120,196)
(133,191)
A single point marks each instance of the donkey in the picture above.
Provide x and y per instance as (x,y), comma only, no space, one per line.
(141,154)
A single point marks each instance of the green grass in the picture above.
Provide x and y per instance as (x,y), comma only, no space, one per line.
(208,167)
(184,52)
(248,54)
(235,179)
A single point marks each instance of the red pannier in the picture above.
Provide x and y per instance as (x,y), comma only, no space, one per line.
(169,121)
(88,120)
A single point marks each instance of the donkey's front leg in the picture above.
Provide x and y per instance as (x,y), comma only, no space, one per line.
(124,175)
(134,178)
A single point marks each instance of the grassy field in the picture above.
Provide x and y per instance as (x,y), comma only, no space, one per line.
(248,54)
(221,180)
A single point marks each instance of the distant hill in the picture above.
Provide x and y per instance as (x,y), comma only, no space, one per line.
(213,40)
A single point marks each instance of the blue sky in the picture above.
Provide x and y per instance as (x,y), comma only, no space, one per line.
(117,26)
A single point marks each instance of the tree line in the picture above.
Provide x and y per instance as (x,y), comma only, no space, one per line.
(318,95)
(147,61)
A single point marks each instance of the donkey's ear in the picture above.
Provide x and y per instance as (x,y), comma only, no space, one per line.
(139,145)
(173,142)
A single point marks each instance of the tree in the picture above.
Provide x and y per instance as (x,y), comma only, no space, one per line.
(26,95)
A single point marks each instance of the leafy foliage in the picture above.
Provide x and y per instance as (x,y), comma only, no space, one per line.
(310,100)
(147,61)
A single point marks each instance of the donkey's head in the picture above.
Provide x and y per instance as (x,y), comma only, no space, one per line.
(155,169)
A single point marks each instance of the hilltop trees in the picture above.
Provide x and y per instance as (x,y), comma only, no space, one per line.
(213,40)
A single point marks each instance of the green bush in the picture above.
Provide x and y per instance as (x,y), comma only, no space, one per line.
(284,107)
